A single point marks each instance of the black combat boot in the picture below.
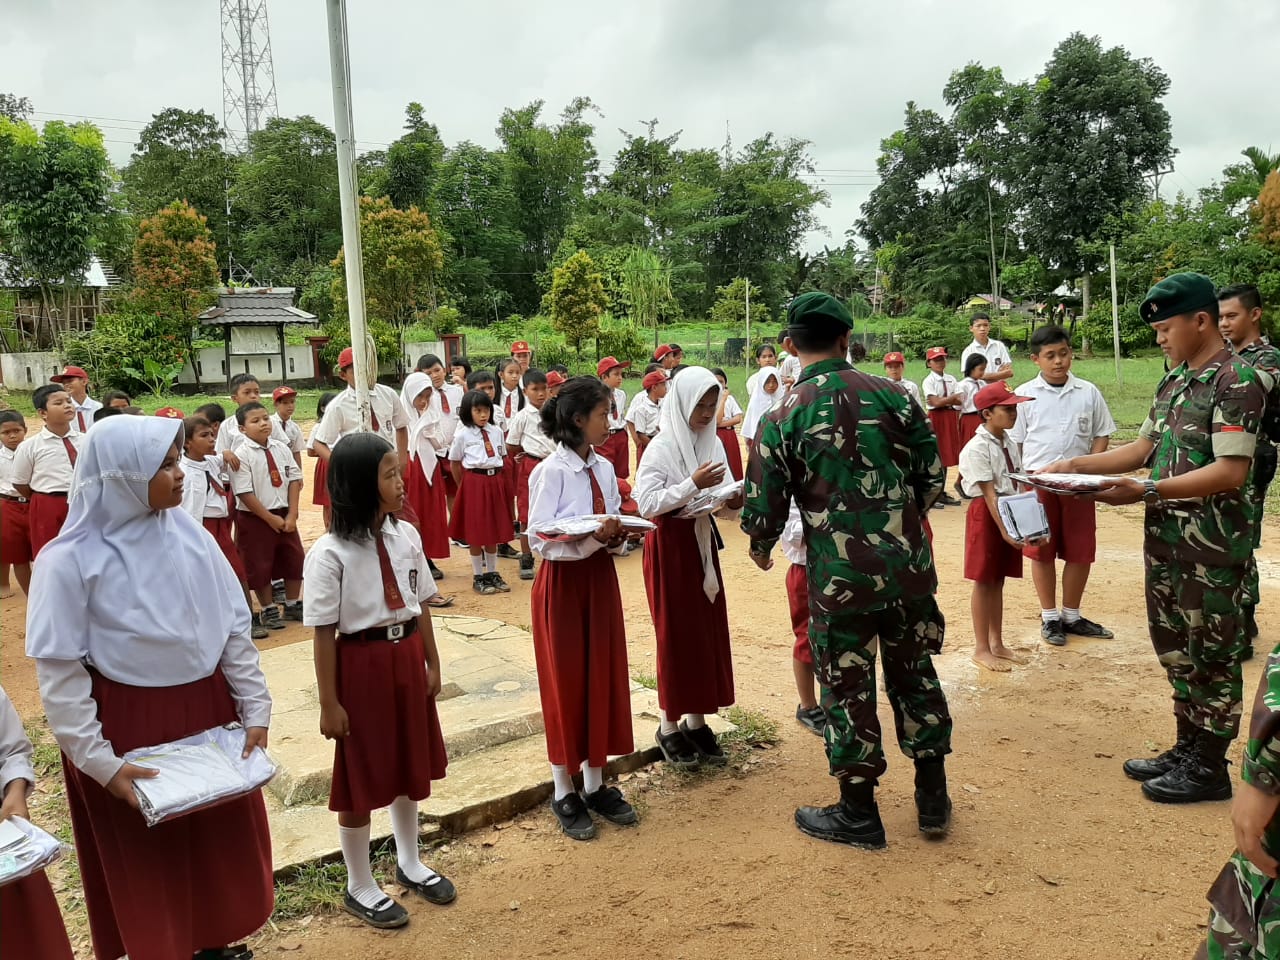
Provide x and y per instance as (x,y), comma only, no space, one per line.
(933,806)
(855,820)
(1201,774)
(1148,768)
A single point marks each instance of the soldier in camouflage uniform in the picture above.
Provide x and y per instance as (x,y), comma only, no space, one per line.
(859,459)
(1240,322)
(1199,439)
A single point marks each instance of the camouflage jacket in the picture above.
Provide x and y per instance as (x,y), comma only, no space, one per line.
(1197,417)
(1243,894)
(1264,355)
(859,459)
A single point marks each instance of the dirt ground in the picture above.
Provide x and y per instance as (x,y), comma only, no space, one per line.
(1053,853)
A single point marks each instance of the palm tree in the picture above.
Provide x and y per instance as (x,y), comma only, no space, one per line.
(1244,180)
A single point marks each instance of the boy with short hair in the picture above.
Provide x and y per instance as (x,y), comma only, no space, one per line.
(530,445)
(943,399)
(15,533)
(342,417)
(1070,419)
(615,449)
(244,389)
(268,485)
(44,464)
(999,363)
(117,399)
(894,365)
(283,426)
(76,382)
(642,417)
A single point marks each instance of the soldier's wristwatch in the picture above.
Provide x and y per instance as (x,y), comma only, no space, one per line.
(1149,492)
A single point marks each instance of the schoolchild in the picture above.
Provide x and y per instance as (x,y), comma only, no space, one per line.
(482,513)
(615,448)
(424,481)
(44,464)
(942,398)
(894,366)
(76,382)
(728,417)
(283,427)
(768,391)
(809,714)
(529,445)
(15,509)
(244,388)
(642,416)
(319,475)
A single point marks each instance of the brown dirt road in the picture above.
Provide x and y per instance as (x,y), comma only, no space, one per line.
(1053,855)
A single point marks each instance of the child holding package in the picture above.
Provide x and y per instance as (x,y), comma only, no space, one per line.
(529,444)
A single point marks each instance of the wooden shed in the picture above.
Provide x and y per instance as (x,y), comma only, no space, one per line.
(253,322)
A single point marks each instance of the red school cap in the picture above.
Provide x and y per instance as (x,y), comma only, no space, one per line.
(610,363)
(662,351)
(170,413)
(347,358)
(933,353)
(997,394)
(69,373)
(283,392)
(894,358)
(653,378)
(520,347)
(555,379)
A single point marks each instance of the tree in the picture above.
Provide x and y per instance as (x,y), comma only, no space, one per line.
(175,269)
(646,288)
(402,263)
(730,308)
(1245,180)
(1265,213)
(413,162)
(180,156)
(53,198)
(14,107)
(576,300)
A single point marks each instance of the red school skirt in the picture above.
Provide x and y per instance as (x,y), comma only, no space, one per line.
(732,451)
(617,452)
(524,471)
(199,882)
(395,748)
(482,511)
(320,483)
(798,604)
(988,558)
(511,474)
(969,424)
(45,517)
(428,502)
(580,644)
(30,921)
(695,659)
(946,427)
(15,531)
(221,528)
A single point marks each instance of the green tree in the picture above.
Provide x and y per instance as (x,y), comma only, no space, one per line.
(646,288)
(413,162)
(175,269)
(1244,181)
(576,300)
(53,199)
(14,107)
(730,308)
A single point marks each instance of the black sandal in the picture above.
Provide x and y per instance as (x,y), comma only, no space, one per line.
(439,890)
(387,915)
(677,750)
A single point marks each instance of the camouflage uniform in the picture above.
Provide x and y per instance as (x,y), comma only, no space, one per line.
(1244,922)
(1264,356)
(859,459)
(1197,552)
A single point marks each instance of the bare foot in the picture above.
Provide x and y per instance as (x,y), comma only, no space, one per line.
(1004,653)
(987,659)
(6,592)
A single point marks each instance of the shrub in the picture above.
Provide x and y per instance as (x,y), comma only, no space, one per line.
(1134,331)
(445,320)
(931,325)
(120,343)
(620,339)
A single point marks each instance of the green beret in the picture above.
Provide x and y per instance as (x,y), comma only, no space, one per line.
(817,310)
(1178,294)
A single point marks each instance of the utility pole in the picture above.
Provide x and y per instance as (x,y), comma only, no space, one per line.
(746,354)
(1115,315)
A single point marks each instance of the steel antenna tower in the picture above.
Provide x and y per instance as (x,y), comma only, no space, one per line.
(248,78)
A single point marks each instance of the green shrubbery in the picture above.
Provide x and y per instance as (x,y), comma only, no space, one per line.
(123,342)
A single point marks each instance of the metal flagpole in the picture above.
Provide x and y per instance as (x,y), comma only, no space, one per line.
(340,74)
(746,353)
(1115,315)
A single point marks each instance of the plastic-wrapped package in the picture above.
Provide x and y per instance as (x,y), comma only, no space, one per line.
(24,849)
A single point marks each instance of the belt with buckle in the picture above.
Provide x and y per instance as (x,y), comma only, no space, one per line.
(485,471)
(12,499)
(612,431)
(395,632)
(42,493)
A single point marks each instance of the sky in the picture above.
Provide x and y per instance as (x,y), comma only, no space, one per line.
(835,72)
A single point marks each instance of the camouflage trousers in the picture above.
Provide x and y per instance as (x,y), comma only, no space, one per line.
(1224,943)
(1198,634)
(844,660)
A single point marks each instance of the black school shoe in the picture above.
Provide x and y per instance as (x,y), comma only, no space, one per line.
(293,610)
(677,750)
(257,631)
(387,915)
(948,500)
(814,719)
(1087,628)
(270,618)
(496,581)
(277,591)
(439,890)
(481,585)
(1051,632)
(574,819)
(526,566)
(436,573)
(704,741)
(507,552)
(239,952)
(610,804)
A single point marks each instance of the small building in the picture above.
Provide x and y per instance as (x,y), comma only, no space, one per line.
(985,301)
(69,310)
(253,322)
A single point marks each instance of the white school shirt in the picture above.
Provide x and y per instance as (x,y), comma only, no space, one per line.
(526,433)
(468,447)
(344,580)
(449,421)
(198,497)
(288,433)
(643,414)
(559,487)
(342,416)
(42,463)
(500,404)
(86,411)
(790,369)
(970,387)
(982,459)
(939,385)
(229,436)
(792,540)
(997,354)
(15,748)
(618,412)
(912,388)
(254,476)
(731,408)
(6,480)
(1062,423)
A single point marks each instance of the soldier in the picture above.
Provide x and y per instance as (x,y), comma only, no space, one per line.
(861,462)
(1199,438)
(1240,322)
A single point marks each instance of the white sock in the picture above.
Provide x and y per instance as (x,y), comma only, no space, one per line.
(1049,615)
(404,827)
(695,720)
(592,778)
(477,564)
(561,780)
(491,561)
(665,725)
(1070,614)
(355,854)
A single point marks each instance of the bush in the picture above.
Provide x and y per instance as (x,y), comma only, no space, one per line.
(1135,333)
(122,341)
(445,320)
(385,341)
(931,325)
(621,339)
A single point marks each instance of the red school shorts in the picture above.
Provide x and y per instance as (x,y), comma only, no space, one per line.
(15,537)
(267,555)
(798,602)
(988,558)
(1073,530)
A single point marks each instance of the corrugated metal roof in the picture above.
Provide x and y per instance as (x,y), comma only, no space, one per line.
(264,305)
(94,277)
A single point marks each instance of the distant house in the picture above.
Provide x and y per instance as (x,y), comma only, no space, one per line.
(985,300)
(74,309)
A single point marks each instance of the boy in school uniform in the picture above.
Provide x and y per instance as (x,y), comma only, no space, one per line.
(76,382)
(943,399)
(642,417)
(117,399)
(555,380)
(615,449)
(15,533)
(244,389)
(809,713)
(268,485)
(999,363)
(1069,419)
(43,465)
(390,420)
(529,444)
(283,427)
(894,365)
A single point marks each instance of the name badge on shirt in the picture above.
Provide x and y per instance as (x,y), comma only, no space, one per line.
(413,582)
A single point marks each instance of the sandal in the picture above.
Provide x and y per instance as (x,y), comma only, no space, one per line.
(439,889)
(677,750)
(387,915)
(439,601)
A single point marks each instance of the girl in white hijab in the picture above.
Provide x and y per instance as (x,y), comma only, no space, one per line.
(424,490)
(766,392)
(140,633)
(682,570)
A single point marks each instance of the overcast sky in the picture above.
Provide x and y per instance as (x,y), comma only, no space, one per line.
(836,72)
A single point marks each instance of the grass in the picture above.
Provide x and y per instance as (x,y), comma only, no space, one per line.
(753,729)
(646,680)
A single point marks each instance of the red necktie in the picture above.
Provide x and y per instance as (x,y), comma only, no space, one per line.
(508,407)
(488,445)
(219,489)
(390,588)
(80,420)
(272,470)
(374,417)
(597,495)
(444,400)
(944,387)
(71,450)
(1008,459)
(613,406)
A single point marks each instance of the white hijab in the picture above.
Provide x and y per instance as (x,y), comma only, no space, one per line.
(680,445)
(761,402)
(423,427)
(144,596)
